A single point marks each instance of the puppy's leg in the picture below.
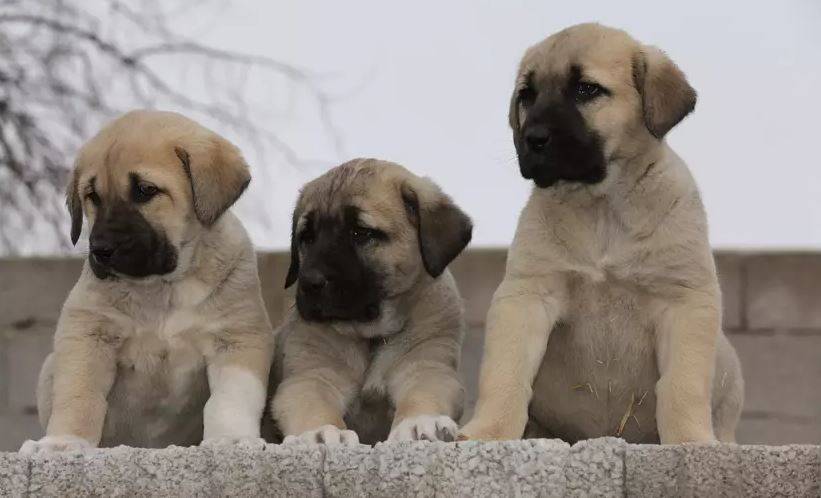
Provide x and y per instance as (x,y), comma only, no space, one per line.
(519,322)
(310,405)
(238,379)
(728,391)
(686,350)
(427,394)
(45,386)
(83,371)
(322,372)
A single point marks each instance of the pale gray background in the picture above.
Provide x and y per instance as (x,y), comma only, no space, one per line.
(426,84)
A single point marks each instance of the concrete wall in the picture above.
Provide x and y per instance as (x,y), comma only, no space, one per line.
(772,313)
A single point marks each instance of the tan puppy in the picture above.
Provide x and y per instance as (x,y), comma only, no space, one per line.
(373,348)
(608,320)
(164,338)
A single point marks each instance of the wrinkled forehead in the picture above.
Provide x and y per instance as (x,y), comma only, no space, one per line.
(604,56)
(365,195)
(110,164)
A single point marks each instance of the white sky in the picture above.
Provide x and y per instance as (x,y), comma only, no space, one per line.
(427,85)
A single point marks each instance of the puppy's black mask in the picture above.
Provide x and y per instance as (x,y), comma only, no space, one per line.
(123,241)
(334,283)
(553,141)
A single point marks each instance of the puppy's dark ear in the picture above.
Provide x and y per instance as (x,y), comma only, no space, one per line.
(665,94)
(515,114)
(444,230)
(218,174)
(75,208)
(293,270)
(513,111)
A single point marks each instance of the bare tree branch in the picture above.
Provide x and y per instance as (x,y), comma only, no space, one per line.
(66,68)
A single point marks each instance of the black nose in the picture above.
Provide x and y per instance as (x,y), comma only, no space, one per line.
(312,281)
(537,137)
(102,252)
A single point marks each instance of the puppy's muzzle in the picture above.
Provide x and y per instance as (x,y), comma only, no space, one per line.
(313,282)
(101,252)
(536,139)
(123,242)
(323,297)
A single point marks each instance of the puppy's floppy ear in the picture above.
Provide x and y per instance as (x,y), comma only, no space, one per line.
(218,174)
(293,270)
(665,94)
(75,207)
(444,230)
(515,114)
(513,117)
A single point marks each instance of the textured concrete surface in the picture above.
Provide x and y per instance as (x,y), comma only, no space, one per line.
(783,292)
(772,311)
(599,467)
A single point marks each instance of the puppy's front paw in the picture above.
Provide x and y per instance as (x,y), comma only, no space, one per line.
(247,442)
(50,444)
(425,428)
(330,435)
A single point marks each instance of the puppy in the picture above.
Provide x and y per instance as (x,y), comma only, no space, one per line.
(373,347)
(164,339)
(608,319)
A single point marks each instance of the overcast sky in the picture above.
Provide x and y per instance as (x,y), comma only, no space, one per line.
(426,84)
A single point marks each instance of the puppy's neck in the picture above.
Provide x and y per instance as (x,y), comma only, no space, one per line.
(391,321)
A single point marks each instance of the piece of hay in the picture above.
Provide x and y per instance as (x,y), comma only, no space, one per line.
(626,415)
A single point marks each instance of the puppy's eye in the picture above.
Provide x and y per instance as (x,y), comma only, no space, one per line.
(363,235)
(144,192)
(527,96)
(95,199)
(587,91)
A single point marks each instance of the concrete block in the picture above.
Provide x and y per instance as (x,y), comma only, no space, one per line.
(505,468)
(5,374)
(175,471)
(14,475)
(682,470)
(478,273)
(14,429)
(652,472)
(596,468)
(709,470)
(350,471)
(601,467)
(782,374)
(26,350)
(783,291)
(35,288)
(757,428)
(779,470)
(722,470)
(730,267)
(511,468)
(279,470)
(411,469)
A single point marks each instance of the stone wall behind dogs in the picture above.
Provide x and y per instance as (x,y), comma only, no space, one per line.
(772,313)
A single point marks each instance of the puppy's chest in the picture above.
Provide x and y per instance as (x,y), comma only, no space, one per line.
(162,344)
(167,345)
(600,250)
(599,369)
